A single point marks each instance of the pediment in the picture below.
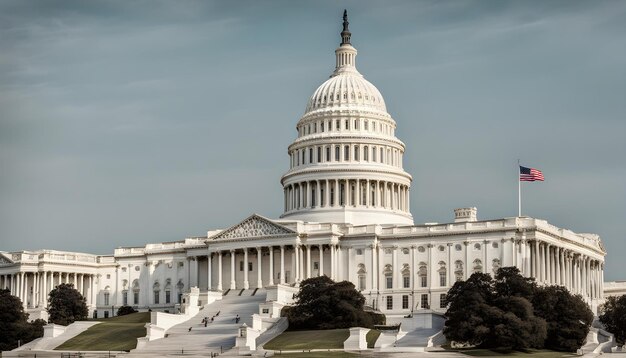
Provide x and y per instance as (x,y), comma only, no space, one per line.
(252,227)
(4,260)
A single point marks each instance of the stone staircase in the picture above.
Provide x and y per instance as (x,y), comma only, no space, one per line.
(193,337)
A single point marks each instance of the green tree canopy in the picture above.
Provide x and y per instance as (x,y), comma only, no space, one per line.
(613,317)
(66,305)
(568,317)
(494,313)
(322,303)
(14,323)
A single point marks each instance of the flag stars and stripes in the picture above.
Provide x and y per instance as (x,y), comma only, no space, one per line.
(530,174)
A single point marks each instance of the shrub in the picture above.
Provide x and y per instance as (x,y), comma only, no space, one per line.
(124,310)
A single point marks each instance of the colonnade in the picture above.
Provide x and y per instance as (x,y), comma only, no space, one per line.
(301,265)
(579,273)
(347,153)
(32,288)
(326,193)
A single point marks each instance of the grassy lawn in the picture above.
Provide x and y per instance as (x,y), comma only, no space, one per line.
(113,334)
(532,353)
(371,337)
(293,340)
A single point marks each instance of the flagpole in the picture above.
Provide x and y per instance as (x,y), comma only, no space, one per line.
(519,192)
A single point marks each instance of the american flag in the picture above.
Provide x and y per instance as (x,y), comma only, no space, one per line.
(530,174)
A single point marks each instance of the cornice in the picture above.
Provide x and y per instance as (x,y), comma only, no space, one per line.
(310,170)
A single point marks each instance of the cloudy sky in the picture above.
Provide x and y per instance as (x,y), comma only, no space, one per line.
(124,123)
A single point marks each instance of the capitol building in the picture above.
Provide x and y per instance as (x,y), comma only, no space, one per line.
(346,215)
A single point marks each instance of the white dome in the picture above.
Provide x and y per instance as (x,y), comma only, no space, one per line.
(346,89)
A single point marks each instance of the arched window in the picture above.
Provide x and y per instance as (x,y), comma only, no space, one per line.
(458,270)
(135,292)
(346,153)
(107,294)
(388,276)
(356,153)
(443,274)
(476,246)
(337,153)
(365,153)
(373,154)
(382,155)
(168,291)
(310,155)
(156,288)
(406,276)
(478,265)
(328,154)
(362,275)
(319,154)
(180,286)
(423,274)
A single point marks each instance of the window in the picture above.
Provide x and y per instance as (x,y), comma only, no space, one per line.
(373,154)
(168,296)
(108,276)
(361,282)
(494,245)
(389,281)
(441,248)
(366,153)
(405,251)
(316,265)
(356,124)
(315,127)
(458,247)
(106,314)
(332,196)
(356,152)
(337,124)
(406,281)
(347,123)
(424,301)
(346,153)
(319,154)
(442,278)
(266,310)
(337,153)
(365,125)
(328,154)
(240,265)
(106,298)
(421,249)
(125,298)
(322,127)
(156,297)
(249,266)
(136,298)
(478,265)
(388,251)
(405,302)
(310,155)
(303,153)
(381,155)
(442,301)
(359,252)
(389,302)
(423,281)
(476,246)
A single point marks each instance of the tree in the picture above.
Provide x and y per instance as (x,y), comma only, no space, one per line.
(613,317)
(124,310)
(66,305)
(568,317)
(14,323)
(494,313)
(322,303)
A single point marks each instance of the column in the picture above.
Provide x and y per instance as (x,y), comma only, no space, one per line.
(296,264)
(373,270)
(301,261)
(259,257)
(449,266)
(339,264)
(396,270)
(282,264)
(349,274)
(35,300)
(308,261)
(246,283)
(233,283)
(321,271)
(209,271)
(332,262)
(219,270)
(89,299)
(271,272)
